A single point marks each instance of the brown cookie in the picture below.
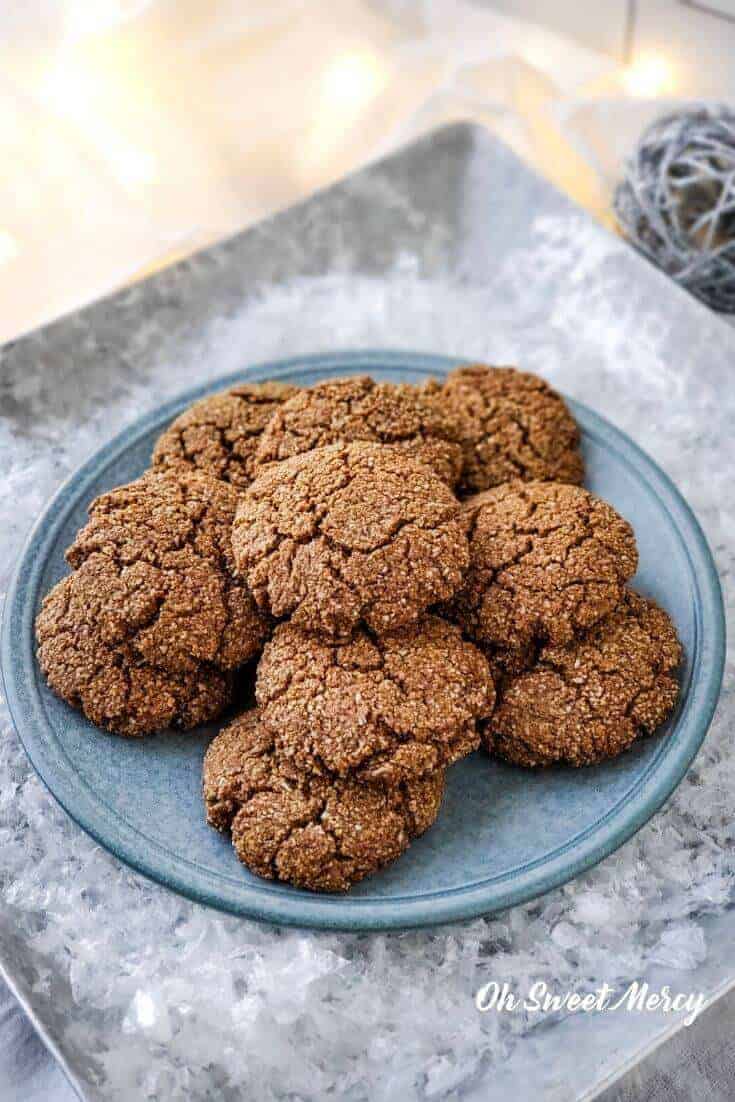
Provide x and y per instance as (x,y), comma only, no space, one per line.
(341,411)
(348,534)
(87,631)
(547,561)
(219,435)
(174,527)
(513,424)
(319,833)
(591,699)
(381,709)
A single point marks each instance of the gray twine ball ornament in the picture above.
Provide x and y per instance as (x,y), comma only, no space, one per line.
(677,201)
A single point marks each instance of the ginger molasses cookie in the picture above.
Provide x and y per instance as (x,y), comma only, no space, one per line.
(514,425)
(591,699)
(341,411)
(547,561)
(320,833)
(380,709)
(348,534)
(219,435)
(175,527)
(87,632)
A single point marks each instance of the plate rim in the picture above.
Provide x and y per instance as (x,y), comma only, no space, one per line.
(260,901)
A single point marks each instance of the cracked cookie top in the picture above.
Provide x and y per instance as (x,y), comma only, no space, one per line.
(590,700)
(547,561)
(380,709)
(88,631)
(321,834)
(169,535)
(220,434)
(513,425)
(341,411)
(348,534)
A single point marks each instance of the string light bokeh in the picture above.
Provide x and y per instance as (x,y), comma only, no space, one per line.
(136,131)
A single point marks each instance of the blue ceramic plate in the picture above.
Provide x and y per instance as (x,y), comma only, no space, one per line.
(504,835)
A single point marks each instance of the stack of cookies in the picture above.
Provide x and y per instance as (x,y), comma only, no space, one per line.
(416,571)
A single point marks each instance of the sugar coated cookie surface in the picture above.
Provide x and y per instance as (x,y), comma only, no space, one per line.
(341,411)
(513,425)
(382,709)
(319,833)
(547,561)
(591,699)
(174,528)
(220,434)
(87,631)
(349,534)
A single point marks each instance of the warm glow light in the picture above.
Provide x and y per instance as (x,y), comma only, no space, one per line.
(135,168)
(649,75)
(79,97)
(345,90)
(8,247)
(82,18)
(66,88)
(351,79)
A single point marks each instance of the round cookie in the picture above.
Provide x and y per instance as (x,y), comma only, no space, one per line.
(547,561)
(320,833)
(590,700)
(174,528)
(348,534)
(513,424)
(86,631)
(341,411)
(219,434)
(380,709)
